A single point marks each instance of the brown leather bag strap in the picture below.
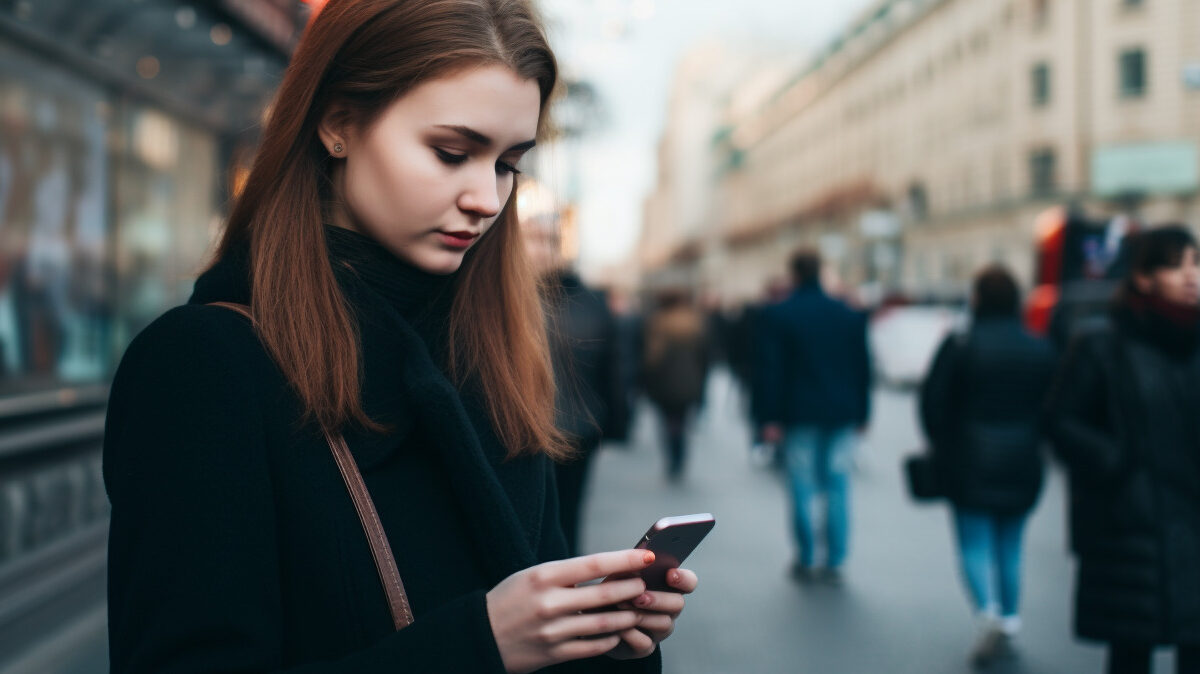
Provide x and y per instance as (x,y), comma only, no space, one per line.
(385,564)
(381,550)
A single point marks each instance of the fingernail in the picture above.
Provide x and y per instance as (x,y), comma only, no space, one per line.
(643,600)
(674,577)
(648,558)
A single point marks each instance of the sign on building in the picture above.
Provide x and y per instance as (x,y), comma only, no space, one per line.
(1146,168)
(1191,75)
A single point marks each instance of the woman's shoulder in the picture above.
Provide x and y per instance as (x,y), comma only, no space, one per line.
(195,341)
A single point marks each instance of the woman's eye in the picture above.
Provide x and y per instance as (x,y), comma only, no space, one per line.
(505,167)
(449,157)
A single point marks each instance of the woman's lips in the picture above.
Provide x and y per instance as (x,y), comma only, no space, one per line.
(458,240)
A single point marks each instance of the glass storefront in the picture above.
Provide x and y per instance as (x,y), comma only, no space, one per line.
(107,209)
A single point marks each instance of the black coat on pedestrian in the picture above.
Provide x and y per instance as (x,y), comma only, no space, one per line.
(234,545)
(814,362)
(584,348)
(1124,421)
(981,407)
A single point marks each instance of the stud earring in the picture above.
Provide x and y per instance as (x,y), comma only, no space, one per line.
(337,148)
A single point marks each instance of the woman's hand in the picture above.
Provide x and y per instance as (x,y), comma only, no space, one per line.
(536,614)
(659,611)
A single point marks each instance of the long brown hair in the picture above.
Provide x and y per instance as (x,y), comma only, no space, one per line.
(363,55)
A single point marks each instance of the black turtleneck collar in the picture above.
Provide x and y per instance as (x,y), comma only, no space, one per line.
(414,293)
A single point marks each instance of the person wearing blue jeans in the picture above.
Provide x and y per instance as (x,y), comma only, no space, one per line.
(980,407)
(989,548)
(818,463)
(814,386)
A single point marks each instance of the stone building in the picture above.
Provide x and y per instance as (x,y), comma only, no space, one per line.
(923,141)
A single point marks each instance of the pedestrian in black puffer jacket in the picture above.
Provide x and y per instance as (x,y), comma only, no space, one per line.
(980,407)
(1124,418)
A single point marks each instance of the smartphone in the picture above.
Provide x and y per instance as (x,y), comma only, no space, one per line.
(672,539)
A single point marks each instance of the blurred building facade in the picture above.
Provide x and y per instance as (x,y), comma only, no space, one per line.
(119,123)
(924,141)
(680,242)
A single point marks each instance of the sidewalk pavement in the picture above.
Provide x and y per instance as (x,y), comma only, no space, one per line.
(901,609)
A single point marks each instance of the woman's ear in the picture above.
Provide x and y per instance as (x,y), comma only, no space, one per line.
(334,130)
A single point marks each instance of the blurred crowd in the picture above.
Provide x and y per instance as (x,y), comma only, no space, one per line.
(1112,397)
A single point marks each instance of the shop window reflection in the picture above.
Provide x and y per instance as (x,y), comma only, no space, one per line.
(106,214)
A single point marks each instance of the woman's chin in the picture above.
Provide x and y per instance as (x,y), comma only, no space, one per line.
(441,262)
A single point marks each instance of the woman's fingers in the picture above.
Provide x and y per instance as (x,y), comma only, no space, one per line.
(591,625)
(589,597)
(658,625)
(683,580)
(638,641)
(571,572)
(670,603)
(574,649)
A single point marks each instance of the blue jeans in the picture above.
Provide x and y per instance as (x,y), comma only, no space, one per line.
(989,548)
(818,462)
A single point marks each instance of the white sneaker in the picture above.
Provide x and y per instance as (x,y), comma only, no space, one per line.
(995,639)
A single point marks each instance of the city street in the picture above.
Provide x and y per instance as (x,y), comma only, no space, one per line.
(901,609)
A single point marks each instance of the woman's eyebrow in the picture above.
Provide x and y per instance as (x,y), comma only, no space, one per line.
(482,140)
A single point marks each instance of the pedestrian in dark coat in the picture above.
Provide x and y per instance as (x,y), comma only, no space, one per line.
(591,398)
(675,362)
(1124,420)
(376,251)
(816,387)
(981,408)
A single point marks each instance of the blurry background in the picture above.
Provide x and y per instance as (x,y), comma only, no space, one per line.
(699,143)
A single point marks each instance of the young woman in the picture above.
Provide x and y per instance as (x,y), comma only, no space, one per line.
(375,245)
(1125,422)
(981,409)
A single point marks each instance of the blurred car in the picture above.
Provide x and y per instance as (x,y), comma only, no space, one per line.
(904,340)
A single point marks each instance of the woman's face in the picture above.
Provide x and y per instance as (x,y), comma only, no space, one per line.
(431,174)
(1179,284)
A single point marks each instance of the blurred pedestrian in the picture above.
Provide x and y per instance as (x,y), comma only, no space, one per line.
(816,384)
(590,398)
(629,330)
(1124,420)
(763,451)
(395,324)
(980,407)
(675,361)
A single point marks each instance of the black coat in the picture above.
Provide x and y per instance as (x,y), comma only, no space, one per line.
(1124,421)
(814,362)
(584,348)
(980,407)
(234,545)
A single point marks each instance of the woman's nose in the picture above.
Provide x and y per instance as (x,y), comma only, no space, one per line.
(481,195)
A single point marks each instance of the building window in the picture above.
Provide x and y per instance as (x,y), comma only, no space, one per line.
(918,201)
(1041,84)
(1041,172)
(1132,72)
(1041,13)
